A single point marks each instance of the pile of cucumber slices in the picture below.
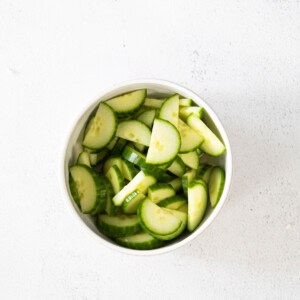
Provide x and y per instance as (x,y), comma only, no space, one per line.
(139,173)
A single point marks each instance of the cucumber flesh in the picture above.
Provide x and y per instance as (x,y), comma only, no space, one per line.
(152,102)
(140,241)
(95,158)
(176,184)
(119,146)
(185,102)
(113,143)
(118,226)
(102,129)
(169,110)
(129,103)
(184,112)
(173,202)
(140,182)
(134,131)
(164,143)
(216,185)
(205,172)
(84,159)
(157,220)
(147,117)
(178,167)
(197,202)
(159,191)
(190,159)
(187,178)
(88,187)
(128,170)
(110,209)
(139,147)
(132,201)
(183,208)
(182,216)
(111,161)
(116,178)
(190,139)
(211,145)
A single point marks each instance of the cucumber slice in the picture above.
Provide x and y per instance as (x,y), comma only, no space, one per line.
(178,167)
(205,172)
(73,190)
(159,191)
(173,202)
(190,139)
(139,147)
(184,112)
(113,143)
(139,160)
(140,241)
(109,208)
(129,103)
(170,109)
(157,220)
(190,159)
(155,103)
(134,131)
(182,216)
(216,185)
(102,203)
(84,159)
(197,202)
(185,102)
(140,182)
(102,129)
(128,170)
(184,208)
(95,158)
(147,117)
(176,184)
(132,201)
(116,178)
(187,178)
(211,145)
(118,226)
(87,188)
(164,143)
(111,161)
(118,148)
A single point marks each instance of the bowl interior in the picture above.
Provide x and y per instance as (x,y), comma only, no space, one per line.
(155,89)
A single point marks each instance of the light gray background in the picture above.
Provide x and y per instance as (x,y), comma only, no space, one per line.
(242,57)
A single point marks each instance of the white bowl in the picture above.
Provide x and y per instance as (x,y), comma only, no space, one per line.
(73,147)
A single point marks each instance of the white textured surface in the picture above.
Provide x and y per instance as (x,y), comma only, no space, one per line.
(243,57)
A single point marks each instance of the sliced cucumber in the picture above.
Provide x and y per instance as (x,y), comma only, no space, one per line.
(157,220)
(187,178)
(164,143)
(216,185)
(211,145)
(129,103)
(95,158)
(113,143)
(135,131)
(132,201)
(184,207)
(178,167)
(116,178)
(88,187)
(152,102)
(118,226)
(73,190)
(139,160)
(118,148)
(102,129)
(102,203)
(139,147)
(205,172)
(179,215)
(111,161)
(147,117)
(128,170)
(84,159)
(190,139)
(140,241)
(190,159)
(169,110)
(176,184)
(159,191)
(184,112)
(197,202)
(110,209)
(173,202)
(185,102)
(140,182)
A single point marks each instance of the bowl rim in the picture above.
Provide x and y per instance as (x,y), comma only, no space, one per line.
(208,221)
